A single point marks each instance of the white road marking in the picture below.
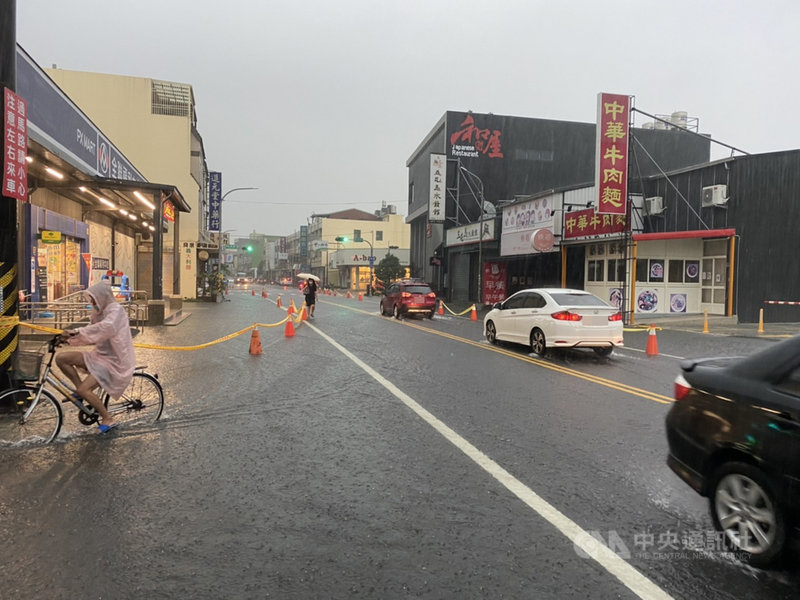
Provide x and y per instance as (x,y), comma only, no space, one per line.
(633,579)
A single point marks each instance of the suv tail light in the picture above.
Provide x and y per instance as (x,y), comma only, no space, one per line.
(405,294)
(682,388)
(615,317)
(565,315)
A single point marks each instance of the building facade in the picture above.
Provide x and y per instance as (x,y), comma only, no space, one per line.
(470,165)
(155,124)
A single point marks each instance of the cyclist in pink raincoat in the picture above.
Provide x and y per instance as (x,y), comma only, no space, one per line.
(111,363)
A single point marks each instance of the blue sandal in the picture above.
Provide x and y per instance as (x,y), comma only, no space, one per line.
(106,428)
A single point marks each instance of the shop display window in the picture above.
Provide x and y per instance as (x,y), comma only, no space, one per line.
(675,271)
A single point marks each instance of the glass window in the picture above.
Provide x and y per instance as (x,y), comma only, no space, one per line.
(378,236)
(516,301)
(656,270)
(534,301)
(676,271)
(616,269)
(641,270)
(576,299)
(596,270)
(715,248)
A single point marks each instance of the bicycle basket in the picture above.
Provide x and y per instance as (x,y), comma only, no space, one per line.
(27,365)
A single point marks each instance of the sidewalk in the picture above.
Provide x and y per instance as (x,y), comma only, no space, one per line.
(717,324)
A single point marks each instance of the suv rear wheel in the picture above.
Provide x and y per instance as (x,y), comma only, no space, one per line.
(396,312)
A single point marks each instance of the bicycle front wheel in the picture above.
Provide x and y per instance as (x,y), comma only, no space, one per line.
(21,424)
(141,402)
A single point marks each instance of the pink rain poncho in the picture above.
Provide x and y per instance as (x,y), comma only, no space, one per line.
(113,360)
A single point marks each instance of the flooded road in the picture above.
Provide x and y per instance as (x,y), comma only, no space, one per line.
(368,457)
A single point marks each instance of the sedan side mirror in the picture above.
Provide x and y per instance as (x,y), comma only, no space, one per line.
(498,305)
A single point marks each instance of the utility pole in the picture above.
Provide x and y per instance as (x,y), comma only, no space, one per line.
(9,295)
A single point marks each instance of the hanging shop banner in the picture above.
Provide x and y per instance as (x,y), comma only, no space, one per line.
(587,223)
(611,153)
(437,188)
(214,200)
(169,211)
(528,227)
(494,282)
(15,146)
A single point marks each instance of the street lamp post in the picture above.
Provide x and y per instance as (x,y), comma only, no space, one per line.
(228,193)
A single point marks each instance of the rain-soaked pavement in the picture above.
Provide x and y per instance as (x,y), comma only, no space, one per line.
(366,457)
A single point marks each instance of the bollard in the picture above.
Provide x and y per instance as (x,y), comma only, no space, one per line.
(761,320)
(705,321)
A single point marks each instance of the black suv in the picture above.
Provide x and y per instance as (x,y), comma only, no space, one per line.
(408,296)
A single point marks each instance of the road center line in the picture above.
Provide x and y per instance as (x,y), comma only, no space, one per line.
(633,579)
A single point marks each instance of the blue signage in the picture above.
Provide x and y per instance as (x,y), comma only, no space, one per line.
(214,200)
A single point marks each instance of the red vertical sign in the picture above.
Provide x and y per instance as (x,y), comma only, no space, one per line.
(611,162)
(15,146)
(494,282)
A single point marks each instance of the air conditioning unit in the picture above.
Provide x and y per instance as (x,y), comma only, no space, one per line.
(654,205)
(715,195)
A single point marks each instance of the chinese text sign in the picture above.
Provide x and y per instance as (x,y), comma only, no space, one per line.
(611,160)
(15,146)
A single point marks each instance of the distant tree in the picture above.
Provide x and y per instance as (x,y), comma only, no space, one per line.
(389,268)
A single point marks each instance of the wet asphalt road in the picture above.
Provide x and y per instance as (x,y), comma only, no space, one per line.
(305,472)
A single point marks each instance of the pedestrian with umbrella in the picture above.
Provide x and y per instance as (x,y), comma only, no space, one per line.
(310,291)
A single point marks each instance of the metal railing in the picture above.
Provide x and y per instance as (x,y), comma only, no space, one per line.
(73,311)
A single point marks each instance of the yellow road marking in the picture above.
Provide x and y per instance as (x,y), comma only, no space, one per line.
(622,387)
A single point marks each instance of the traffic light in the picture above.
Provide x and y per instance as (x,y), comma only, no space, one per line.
(342,238)
(247,248)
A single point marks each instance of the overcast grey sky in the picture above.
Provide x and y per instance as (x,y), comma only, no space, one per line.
(320,103)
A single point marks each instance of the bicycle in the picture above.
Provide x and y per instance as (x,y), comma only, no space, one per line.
(31,413)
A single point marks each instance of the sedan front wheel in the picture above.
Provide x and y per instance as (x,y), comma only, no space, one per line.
(491,332)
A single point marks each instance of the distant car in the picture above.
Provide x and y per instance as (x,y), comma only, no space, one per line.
(408,297)
(734,436)
(545,318)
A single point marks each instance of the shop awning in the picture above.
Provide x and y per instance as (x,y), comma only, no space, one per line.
(682,235)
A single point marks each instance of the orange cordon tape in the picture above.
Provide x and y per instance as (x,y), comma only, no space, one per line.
(462,313)
(11,321)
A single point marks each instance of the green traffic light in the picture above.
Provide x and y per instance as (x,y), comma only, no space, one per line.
(342,238)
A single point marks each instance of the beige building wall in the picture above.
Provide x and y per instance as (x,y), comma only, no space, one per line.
(159,146)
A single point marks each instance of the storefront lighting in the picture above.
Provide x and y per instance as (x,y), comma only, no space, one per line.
(83,189)
(29,159)
(151,228)
(54,173)
(108,203)
(123,212)
(132,217)
(144,200)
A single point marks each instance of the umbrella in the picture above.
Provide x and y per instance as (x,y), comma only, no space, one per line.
(305,276)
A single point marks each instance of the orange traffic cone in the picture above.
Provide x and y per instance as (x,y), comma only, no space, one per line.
(290,310)
(304,313)
(279,304)
(348,295)
(289,328)
(441,308)
(360,296)
(474,314)
(263,293)
(652,343)
(284,288)
(253,291)
(335,294)
(255,342)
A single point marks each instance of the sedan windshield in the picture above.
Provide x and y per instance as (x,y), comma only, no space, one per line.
(567,299)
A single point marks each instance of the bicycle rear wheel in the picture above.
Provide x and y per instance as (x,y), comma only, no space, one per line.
(17,426)
(141,402)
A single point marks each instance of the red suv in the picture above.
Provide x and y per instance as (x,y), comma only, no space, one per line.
(407,297)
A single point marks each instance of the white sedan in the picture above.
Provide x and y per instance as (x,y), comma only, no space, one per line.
(555,318)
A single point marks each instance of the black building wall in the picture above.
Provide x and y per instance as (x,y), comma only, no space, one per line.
(764,209)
